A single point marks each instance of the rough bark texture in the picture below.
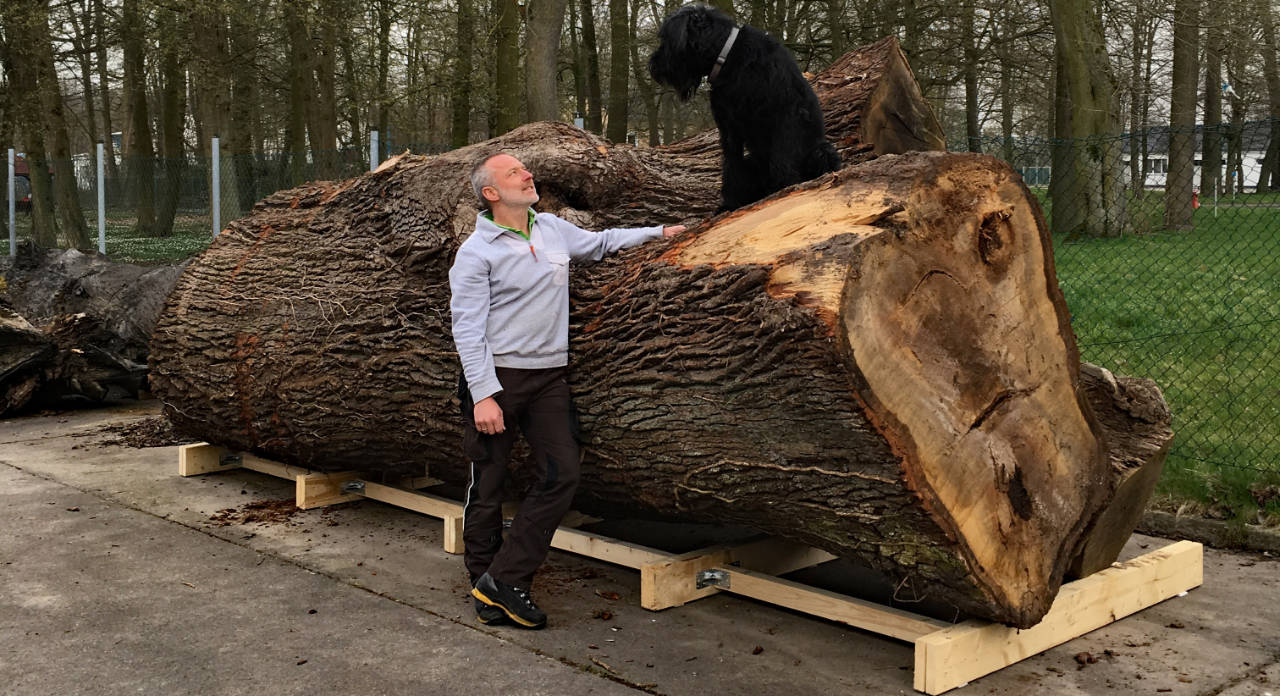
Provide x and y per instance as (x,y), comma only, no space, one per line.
(70,357)
(877,362)
(1135,423)
(123,299)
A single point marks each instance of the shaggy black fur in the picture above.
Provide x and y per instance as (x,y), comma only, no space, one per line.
(770,122)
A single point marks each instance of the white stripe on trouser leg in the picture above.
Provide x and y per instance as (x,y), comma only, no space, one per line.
(466,500)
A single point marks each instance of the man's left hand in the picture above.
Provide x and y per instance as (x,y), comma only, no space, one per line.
(673,230)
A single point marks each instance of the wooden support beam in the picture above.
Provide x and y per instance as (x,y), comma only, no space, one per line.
(859,613)
(957,655)
(606,549)
(673,581)
(319,490)
(201,458)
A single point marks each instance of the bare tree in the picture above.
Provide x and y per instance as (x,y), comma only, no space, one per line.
(1086,188)
(542,25)
(619,57)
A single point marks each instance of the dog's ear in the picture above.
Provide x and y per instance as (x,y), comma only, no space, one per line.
(679,36)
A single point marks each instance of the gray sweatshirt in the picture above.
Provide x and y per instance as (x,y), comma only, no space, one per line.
(510,299)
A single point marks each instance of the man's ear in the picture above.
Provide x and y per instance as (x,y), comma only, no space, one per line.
(494,198)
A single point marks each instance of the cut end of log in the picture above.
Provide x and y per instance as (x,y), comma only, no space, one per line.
(934,273)
(970,370)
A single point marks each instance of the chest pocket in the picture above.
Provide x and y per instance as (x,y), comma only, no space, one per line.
(559,267)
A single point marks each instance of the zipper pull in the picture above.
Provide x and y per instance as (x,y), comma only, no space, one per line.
(531,251)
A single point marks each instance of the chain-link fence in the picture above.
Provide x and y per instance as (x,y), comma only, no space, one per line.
(1170,269)
(174,217)
(1169,272)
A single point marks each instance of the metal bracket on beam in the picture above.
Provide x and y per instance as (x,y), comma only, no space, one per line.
(713,578)
(355,486)
(230,460)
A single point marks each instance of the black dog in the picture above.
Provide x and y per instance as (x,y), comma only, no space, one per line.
(761,102)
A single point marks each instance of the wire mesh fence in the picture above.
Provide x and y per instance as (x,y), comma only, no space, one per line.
(1169,267)
(1169,273)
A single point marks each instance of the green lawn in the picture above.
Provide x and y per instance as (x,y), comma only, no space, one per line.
(191,234)
(1199,313)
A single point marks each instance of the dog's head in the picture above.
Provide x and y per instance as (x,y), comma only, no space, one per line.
(689,41)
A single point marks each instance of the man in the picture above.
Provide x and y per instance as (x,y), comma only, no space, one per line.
(510,309)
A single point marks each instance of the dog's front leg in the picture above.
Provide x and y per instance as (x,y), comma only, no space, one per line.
(735,175)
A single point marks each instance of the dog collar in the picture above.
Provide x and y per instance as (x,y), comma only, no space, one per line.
(724,53)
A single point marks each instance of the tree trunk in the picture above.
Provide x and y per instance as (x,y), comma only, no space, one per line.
(24,86)
(640,73)
(1087,188)
(82,39)
(107,137)
(893,379)
(1211,150)
(324,119)
(301,88)
(542,97)
(1182,116)
(140,164)
(506,82)
(595,118)
(1269,177)
(460,94)
(835,24)
(619,67)
(897,383)
(173,109)
(973,134)
(383,10)
(75,231)
(1137,183)
(244,103)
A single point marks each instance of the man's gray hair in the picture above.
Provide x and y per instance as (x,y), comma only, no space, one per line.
(482,177)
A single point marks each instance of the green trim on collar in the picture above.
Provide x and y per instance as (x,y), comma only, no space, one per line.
(489,214)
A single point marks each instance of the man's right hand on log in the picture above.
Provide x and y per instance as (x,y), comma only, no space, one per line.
(488,415)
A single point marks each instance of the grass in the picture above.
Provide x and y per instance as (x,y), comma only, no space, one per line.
(1198,312)
(191,235)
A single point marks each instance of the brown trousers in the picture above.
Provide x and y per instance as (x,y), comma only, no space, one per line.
(538,404)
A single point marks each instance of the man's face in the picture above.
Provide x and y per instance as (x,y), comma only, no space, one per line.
(512,183)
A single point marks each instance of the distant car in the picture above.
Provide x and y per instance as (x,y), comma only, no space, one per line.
(21,184)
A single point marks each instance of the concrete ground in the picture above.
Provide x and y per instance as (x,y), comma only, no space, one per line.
(117,578)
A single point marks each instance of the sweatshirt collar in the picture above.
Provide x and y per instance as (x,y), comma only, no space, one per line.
(490,230)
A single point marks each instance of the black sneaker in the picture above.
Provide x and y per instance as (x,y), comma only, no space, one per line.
(486,614)
(513,601)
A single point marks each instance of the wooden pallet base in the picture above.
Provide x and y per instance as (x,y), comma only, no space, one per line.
(946,655)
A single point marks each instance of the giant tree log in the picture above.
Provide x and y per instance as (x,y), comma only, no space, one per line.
(877,362)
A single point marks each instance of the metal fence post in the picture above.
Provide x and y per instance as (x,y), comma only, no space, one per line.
(102,208)
(13,234)
(217,188)
(373,150)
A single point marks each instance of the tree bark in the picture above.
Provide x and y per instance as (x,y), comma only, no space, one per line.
(619,71)
(24,86)
(1087,187)
(542,27)
(1182,116)
(878,362)
(460,94)
(1269,177)
(894,380)
(173,110)
(1211,148)
(140,165)
(506,83)
(75,232)
(595,118)
(108,140)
